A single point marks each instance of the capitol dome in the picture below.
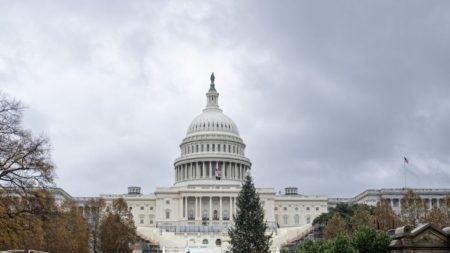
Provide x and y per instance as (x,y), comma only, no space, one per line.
(212,145)
(213,120)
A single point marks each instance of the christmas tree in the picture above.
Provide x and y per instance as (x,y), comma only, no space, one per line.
(249,232)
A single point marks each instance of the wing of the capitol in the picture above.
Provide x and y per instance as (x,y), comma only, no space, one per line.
(196,212)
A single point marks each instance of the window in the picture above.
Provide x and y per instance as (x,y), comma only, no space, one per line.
(205,213)
(317,208)
(218,147)
(215,202)
(285,220)
(307,208)
(191,214)
(214,147)
(141,219)
(167,215)
(284,208)
(225,215)
(276,208)
(308,220)
(167,202)
(296,209)
(218,242)
(151,220)
(297,219)
(142,208)
(205,241)
(191,202)
(151,208)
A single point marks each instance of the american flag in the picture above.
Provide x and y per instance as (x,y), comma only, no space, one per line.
(218,174)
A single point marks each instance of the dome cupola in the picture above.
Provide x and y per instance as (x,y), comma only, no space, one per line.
(212,144)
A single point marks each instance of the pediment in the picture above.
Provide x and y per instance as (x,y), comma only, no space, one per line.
(430,236)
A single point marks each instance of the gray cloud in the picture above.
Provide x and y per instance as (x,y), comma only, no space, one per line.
(328,96)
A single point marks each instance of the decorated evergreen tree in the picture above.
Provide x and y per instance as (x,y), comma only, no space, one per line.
(249,232)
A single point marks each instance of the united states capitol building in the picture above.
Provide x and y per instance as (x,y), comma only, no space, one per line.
(195,213)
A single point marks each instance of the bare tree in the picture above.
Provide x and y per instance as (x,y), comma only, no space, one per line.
(414,209)
(25,159)
(95,212)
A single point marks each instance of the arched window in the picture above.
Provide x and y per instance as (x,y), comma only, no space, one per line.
(215,215)
(218,242)
(151,219)
(213,147)
(218,147)
(297,219)
(205,213)
(207,147)
(202,147)
(308,220)
(205,241)
(285,220)
(141,219)
(229,148)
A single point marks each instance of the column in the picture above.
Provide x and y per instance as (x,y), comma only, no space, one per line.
(204,169)
(220,208)
(198,170)
(230,210)
(240,170)
(182,207)
(186,208)
(210,208)
(210,176)
(232,206)
(196,208)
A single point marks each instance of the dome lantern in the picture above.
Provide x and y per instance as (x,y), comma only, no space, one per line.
(212,97)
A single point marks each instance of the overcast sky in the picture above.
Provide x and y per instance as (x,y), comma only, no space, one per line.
(329,96)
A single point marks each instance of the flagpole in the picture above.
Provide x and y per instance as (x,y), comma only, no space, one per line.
(404,170)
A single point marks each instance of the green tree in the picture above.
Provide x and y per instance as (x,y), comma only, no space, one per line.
(361,217)
(366,239)
(335,227)
(249,232)
(342,244)
(314,246)
(414,209)
(117,229)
